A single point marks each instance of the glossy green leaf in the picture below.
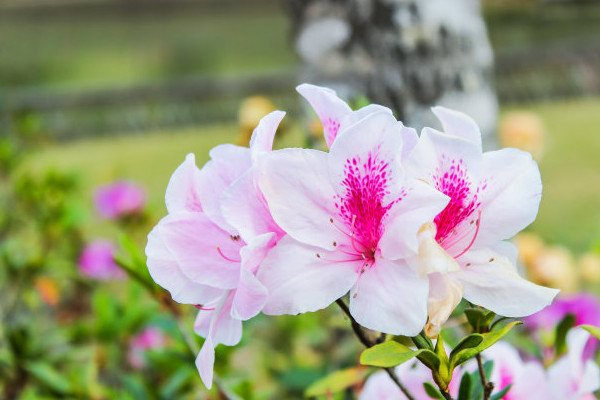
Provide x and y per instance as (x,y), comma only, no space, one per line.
(457,358)
(432,391)
(479,318)
(422,341)
(468,342)
(337,381)
(390,354)
(465,388)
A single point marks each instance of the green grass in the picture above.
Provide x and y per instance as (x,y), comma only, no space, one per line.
(570,209)
(121,49)
(569,212)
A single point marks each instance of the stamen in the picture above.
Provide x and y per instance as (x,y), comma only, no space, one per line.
(202,308)
(225,257)
(477,224)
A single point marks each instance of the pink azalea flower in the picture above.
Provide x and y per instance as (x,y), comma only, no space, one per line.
(493,195)
(528,379)
(149,339)
(119,199)
(207,250)
(97,261)
(584,306)
(352,218)
(572,378)
(335,114)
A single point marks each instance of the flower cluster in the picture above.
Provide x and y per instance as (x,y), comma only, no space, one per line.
(408,225)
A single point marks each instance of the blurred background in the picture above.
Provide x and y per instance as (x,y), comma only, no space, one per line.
(100,101)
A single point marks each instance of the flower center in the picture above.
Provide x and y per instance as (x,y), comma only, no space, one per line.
(361,206)
(455,222)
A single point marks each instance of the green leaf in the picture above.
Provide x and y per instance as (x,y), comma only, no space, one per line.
(429,359)
(468,342)
(560,341)
(48,376)
(500,395)
(432,391)
(479,318)
(457,358)
(465,388)
(594,330)
(337,381)
(390,354)
(422,341)
(488,367)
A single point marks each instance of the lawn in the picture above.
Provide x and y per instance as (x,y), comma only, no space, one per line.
(569,212)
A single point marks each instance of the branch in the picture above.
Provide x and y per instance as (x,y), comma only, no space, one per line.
(488,387)
(370,343)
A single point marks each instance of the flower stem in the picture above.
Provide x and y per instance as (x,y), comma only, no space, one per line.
(364,339)
(488,387)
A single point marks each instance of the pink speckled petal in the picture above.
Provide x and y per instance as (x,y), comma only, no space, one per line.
(329,108)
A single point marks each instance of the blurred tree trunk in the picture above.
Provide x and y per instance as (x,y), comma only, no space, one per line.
(406,54)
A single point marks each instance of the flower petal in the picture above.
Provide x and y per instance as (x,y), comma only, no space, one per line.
(250,297)
(434,152)
(458,124)
(298,281)
(203,251)
(296,187)
(183,192)
(390,298)
(205,362)
(217,324)
(512,194)
(261,140)
(164,270)
(217,327)
(228,163)
(329,108)
(491,280)
(245,209)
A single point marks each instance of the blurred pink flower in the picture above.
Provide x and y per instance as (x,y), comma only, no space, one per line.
(584,306)
(97,261)
(149,339)
(119,199)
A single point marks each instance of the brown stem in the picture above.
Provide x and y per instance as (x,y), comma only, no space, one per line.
(364,339)
(488,387)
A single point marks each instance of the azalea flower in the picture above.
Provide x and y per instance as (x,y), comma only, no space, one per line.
(119,199)
(571,377)
(351,219)
(97,261)
(208,248)
(493,196)
(528,379)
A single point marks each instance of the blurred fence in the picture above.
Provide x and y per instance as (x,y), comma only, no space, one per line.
(541,75)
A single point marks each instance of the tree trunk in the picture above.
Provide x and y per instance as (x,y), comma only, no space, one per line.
(406,54)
